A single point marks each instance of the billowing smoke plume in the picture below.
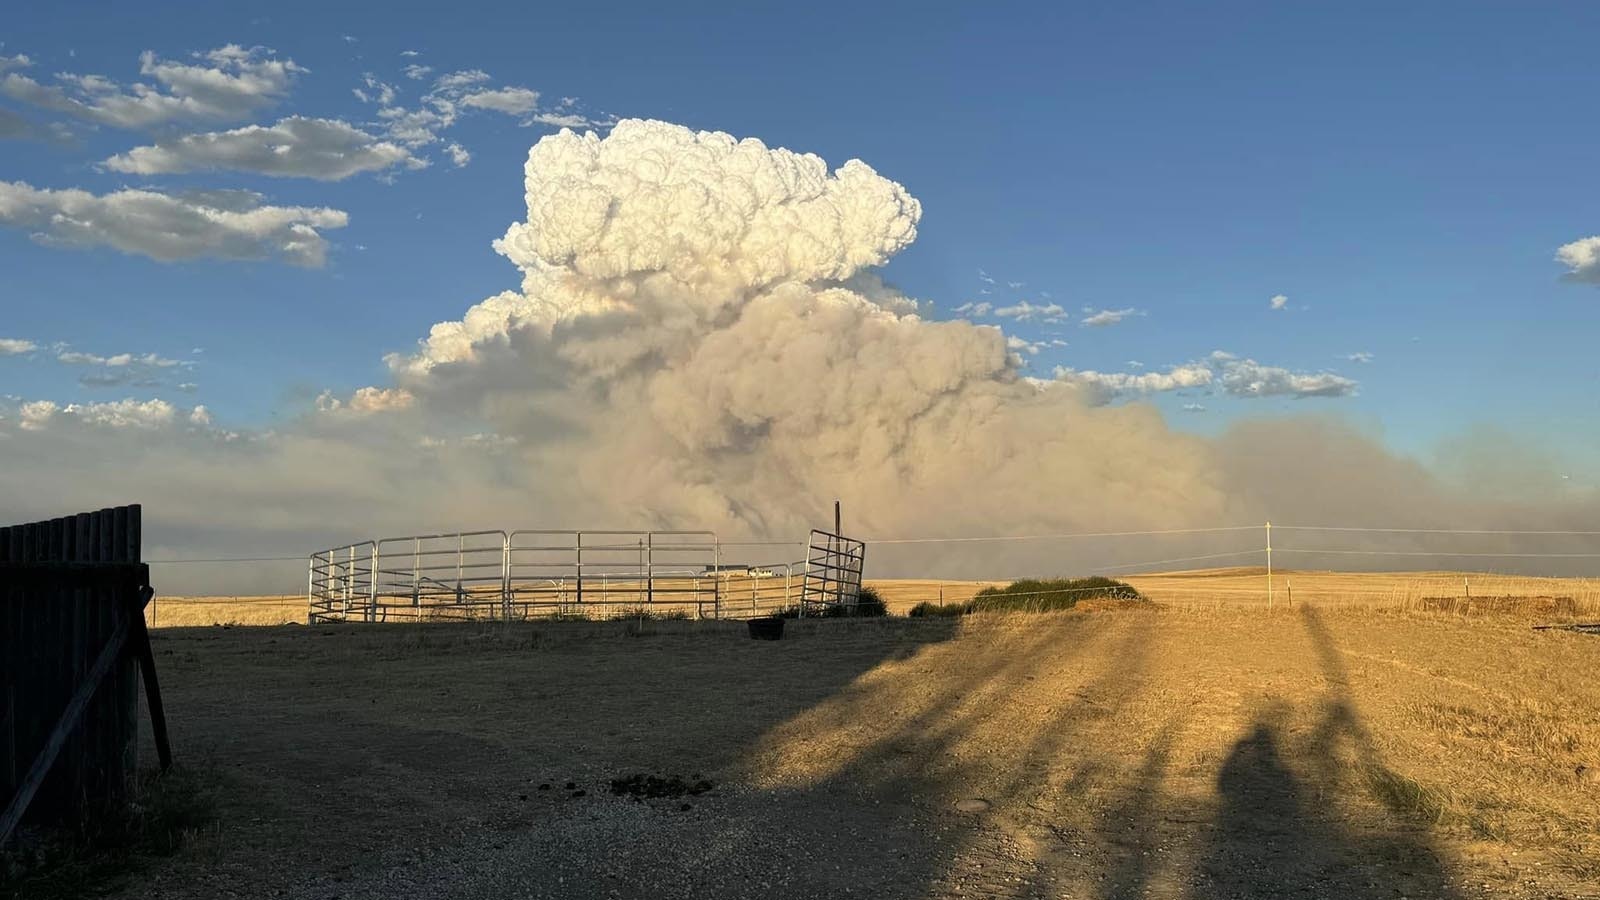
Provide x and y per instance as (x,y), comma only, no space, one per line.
(700,341)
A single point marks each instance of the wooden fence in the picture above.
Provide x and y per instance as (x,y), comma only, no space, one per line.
(73,647)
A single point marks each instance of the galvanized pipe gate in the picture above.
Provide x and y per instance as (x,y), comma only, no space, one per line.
(499,575)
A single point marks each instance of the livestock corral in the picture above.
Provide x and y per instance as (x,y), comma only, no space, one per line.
(1369,736)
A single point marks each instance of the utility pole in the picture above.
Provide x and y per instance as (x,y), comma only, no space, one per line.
(1269,566)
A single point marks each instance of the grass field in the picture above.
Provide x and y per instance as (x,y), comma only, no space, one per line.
(1560,599)
(1137,750)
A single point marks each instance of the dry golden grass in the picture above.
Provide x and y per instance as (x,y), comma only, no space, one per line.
(187,612)
(1470,593)
(1131,750)
(1467,593)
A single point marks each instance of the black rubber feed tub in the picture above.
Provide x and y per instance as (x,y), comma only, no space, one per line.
(767,628)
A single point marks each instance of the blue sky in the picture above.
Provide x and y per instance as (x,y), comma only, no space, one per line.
(1403,175)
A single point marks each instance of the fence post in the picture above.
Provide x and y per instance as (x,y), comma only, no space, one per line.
(650,568)
(579,546)
(505,575)
(349,573)
(372,586)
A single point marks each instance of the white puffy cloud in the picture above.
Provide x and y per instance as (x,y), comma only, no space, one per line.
(1031,348)
(454,94)
(1106,317)
(19,61)
(599,211)
(566,120)
(1278,301)
(1243,378)
(461,80)
(122,369)
(227,83)
(37,415)
(297,147)
(977,310)
(1360,356)
(200,416)
(16,346)
(1103,387)
(1248,378)
(124,413)
(1582,259)
(1023,311)
(169,227)
(367,400)
(513,101)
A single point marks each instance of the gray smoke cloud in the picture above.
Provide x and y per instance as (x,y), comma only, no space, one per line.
(700,340)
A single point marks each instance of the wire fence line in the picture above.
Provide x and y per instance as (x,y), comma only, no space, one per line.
(1075,535)
(1237,561)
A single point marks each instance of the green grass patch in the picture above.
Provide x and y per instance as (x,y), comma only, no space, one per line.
(1034,595)
(645,613)
(929,609)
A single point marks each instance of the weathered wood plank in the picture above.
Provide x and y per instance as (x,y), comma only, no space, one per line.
(64,727)
(67,587)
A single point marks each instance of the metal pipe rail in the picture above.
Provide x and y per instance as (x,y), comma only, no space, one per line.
(524,574)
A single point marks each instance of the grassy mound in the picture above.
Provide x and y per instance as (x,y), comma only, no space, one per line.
(1034,595)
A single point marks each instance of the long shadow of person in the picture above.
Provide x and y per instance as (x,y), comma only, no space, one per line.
(1279,833)
(1267,841)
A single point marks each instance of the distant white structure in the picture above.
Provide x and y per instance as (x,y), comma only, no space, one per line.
(740,569)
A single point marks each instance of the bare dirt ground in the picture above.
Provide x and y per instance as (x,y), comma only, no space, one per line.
(1119,753)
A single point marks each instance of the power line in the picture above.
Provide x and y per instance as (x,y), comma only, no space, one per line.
(228,559)
(1062,536)
(1438,553)
(1160,562)
(1431,530)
